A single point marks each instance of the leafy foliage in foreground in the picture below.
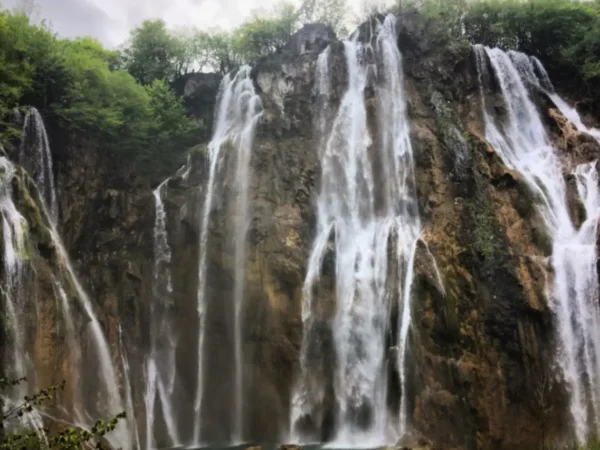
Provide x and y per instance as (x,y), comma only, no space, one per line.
(69,438)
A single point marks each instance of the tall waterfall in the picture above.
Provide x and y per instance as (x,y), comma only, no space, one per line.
(95,391)
(363,204)
(14,229)
(522,143)
(35,156)
(238,112)
(108,400)
(160,363)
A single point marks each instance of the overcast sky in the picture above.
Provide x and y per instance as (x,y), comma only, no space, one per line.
(110,20)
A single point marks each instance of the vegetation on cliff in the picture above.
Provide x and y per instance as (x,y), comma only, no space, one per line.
(123,97)
(563,34)
(79,85)
(67,438)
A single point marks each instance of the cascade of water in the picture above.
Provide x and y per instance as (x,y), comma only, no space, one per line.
(35,140)
(533,71)
(13,231)
(522,143)
(107,388)
(238,112)
(34,154)
(74,347)
(160,362)
(17,363)
(134,438)
(402,197)
(436,269)
(347,204)
(308,391)
(573,116)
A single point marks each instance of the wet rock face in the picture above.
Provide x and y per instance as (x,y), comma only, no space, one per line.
(482,340)
(313,37)
(199,92)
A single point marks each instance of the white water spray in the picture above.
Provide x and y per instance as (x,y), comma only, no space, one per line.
(347,204)
(522,143)
(533,71)
(238,112)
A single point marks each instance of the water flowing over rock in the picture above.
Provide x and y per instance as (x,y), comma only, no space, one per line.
(523,144)
(389,240)
(362,216)
(532,71)
(238,111)
(35,155)
(160,363)
(28,230)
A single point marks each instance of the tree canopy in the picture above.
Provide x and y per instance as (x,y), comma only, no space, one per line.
(563,34)
(124,97)
(83,87)
(155,53)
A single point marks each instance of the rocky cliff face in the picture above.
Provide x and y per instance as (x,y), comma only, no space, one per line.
(482,346)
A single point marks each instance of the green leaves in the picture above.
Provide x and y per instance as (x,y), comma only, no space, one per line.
(153,53)
(69,438)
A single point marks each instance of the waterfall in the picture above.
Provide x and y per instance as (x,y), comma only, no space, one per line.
(14,229)
(35,156)
(106,389)
(533,71)
(522,143)
(573,116)
(364,209)
(160,362)
(17,362)
(35,143)
(238,110)
(308,391)
(74,346)
(134,437)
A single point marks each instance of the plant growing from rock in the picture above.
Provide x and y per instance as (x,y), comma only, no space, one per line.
(70,438)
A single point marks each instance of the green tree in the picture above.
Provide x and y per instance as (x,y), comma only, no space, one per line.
(171,131)
(153,53)
(263,35)
(15,69)
(223,53)
(330,12)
